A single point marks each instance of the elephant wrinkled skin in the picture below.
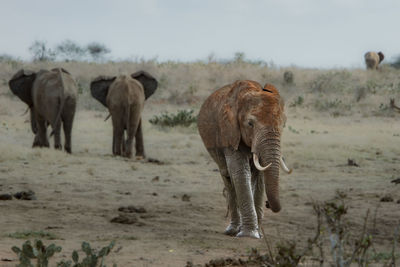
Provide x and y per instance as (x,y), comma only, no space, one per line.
(51,97)
(373,59)
(239,124)
(124,97)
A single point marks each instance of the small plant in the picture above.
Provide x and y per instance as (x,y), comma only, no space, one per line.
(182,118)
(293,130)
(38,251)
(33,234)
(42,254)
(327,104)
(297,102)
(92,258)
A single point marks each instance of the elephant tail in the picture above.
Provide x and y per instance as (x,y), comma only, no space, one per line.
(62,102)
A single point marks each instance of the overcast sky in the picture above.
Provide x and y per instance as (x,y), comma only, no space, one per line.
(305,33)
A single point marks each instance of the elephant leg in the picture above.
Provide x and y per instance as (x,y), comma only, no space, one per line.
(257,180)
(234,224)
(123,144)
(57,136)
(239,170)
(139,147)
(113,144)
(68,120)
(132,128)
(41,136)
(118,134)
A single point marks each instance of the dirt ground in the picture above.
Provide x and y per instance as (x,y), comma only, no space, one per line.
(78,194)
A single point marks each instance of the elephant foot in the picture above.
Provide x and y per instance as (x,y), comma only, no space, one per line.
(232,230)
(58,146)
(139,157)
(68,149)
(249,233)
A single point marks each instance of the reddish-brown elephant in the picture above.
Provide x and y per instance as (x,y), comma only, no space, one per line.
(124,97)
(51,97)
(372,60)
(241,126)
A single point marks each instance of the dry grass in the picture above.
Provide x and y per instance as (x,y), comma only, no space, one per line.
(335,92)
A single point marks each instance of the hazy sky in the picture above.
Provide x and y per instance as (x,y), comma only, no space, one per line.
(307,33)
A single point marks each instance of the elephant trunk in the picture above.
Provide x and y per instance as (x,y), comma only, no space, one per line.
(267,147)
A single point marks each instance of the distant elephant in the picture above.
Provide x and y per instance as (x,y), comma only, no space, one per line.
(241,125)
(124,97)
(373,59)
(51,97)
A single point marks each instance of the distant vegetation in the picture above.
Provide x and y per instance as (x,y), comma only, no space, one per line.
(68,50)
(332,92)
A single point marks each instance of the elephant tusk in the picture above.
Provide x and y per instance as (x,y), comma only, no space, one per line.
(284,167)
(257,163)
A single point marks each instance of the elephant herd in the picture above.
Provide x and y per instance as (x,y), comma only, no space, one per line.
(51,97)
(240,125)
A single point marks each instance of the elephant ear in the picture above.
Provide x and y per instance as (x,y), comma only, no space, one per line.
(99,88)
(149,82)
(381,57)
(21,85)
(229,131)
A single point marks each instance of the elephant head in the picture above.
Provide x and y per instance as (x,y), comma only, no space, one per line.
(99,86)
(21,85)
(254,116)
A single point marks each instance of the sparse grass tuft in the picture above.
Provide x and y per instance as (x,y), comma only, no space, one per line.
(33,234)
(181,118)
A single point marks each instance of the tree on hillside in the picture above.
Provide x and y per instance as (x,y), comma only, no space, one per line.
(97,50)
(69,50)
(41,52)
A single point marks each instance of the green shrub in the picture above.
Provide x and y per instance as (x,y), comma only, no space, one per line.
(42,254)
(181,118)
(297,102)
(38,251)
(92,257)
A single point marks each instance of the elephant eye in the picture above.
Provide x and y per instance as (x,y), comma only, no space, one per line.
(251,123)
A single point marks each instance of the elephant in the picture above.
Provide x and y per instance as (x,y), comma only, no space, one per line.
(372,60)
(240,125)
(51,97)
(124,96)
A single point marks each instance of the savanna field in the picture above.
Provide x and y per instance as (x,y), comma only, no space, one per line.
(342,139)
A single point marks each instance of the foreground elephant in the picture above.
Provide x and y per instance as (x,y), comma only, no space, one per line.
(124,97)
(373,59)
(241,125)
(51,97)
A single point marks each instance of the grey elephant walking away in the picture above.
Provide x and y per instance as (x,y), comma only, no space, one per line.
(51,97)
(241,125)
(373,59)
(124,96)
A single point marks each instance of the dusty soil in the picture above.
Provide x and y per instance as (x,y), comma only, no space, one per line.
(184,209)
